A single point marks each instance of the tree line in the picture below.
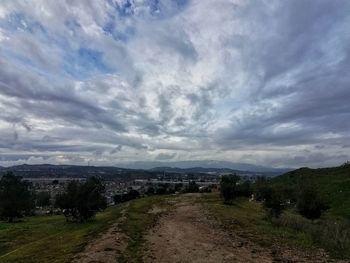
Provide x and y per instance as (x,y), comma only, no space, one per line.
(79,202)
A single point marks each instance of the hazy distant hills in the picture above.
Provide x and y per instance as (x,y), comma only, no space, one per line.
(207,164)
(140,169)
(49,170)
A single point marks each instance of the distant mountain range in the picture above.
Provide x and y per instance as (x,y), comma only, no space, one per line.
(49,170)
(208,164)
(140,169)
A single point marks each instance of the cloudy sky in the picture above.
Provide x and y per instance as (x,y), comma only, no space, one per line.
(110,81)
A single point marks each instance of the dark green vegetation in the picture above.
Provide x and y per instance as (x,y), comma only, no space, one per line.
(42,199)
(228,185)
(81,201)
(333,184)
(47,239)
(130,195)
(16,198)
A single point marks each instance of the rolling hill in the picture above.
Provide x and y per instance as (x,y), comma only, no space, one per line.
(333,183)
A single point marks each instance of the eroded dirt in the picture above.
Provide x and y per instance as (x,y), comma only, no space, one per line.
(187,234)
(107,247)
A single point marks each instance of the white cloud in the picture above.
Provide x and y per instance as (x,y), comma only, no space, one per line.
(230,80)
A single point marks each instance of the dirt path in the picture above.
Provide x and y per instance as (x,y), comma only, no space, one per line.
(107,247)
(187,235)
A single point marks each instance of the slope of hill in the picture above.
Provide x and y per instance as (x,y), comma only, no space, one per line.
(333,183)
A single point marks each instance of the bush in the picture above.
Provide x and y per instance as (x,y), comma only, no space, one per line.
(333,236)
(130,195)
(81,201)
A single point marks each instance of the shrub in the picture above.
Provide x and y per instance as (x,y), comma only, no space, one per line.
(333,236)
(130,195)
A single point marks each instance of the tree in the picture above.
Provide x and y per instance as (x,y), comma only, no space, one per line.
(81,201)
(261,187)
(309,202)
(274,201)
(16,197)
(43,199)
(228,185)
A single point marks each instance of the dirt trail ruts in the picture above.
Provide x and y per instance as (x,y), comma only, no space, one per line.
(107,247)
(187,234)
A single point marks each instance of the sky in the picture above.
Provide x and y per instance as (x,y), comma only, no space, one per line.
(112,81)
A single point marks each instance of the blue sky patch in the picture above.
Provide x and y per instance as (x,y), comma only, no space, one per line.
(86,61)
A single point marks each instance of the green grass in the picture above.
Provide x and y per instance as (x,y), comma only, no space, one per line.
(138,221)
(333,184)
(42,239)
(249,219)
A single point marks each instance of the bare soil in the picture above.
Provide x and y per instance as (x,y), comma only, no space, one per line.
(187,234)
(107,247)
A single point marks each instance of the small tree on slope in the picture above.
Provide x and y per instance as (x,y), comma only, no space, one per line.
(16,198)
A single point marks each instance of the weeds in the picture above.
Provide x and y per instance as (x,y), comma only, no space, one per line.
(334,236)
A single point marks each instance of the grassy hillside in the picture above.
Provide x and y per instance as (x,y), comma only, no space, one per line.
(333,183)
(49,238)
(248,219)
